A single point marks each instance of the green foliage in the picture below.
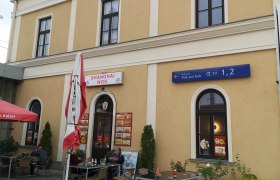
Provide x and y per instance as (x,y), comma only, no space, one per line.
(179,166)
(148,149)
(46,139)
(8,145)
(80,153)
(213,171)
(109,153)
(242,169)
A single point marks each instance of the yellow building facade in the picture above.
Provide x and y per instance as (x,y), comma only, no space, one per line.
(147,41)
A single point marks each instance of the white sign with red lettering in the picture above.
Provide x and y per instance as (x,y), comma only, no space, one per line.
(104,79)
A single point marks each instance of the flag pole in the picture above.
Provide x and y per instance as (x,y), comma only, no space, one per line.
(67,163)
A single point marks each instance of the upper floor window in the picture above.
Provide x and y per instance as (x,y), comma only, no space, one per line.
(211,125)
(209,12)
(110,22)
(33,127)
(43,37)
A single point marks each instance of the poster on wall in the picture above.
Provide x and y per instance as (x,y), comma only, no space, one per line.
(220,145)
(123,129)
(83,125)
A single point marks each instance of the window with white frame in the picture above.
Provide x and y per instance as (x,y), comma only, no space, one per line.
(33,127)
(211,125)
(110,22)
(43,40)
(209,12)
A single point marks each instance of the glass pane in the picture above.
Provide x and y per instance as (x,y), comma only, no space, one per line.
(35,107)
(216,3)
(203,19)
(202,5)
(48,24)
(219,125)
(105,37)
(115,6)
(204,145)
(107,8)
(47,40)
(106,23)
(217,16)
(114,36)
(103,136)
(40,50)
(41,39)
(204,124)
(43,25)
(211,101)
(46,49)
(115,21)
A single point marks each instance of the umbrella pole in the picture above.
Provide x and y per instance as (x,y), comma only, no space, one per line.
(67,163)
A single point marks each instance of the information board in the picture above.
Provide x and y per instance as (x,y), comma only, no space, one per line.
(123,129)
(225,72)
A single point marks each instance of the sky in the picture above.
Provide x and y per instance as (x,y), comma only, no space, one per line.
(6,8)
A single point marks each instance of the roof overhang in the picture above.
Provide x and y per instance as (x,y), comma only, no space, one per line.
(11,72)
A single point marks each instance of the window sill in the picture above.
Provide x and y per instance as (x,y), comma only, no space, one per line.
(210,161)
(28,146)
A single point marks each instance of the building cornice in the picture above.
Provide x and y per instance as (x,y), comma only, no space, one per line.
(217,34)
(37,6)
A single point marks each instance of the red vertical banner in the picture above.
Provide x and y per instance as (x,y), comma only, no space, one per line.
(83,125)
(220,145)
(123,129)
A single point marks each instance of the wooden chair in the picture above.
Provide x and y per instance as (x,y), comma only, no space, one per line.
(101,175)
(23,166)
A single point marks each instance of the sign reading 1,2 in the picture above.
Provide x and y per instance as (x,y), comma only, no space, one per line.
(225,72)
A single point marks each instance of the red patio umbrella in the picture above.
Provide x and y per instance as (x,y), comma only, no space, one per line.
(11,112)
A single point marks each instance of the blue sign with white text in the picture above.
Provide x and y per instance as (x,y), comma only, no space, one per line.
(226,72)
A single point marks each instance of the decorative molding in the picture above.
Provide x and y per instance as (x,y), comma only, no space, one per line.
(62,127)
(153,25)
(37,6)
(244,36)
(152,96)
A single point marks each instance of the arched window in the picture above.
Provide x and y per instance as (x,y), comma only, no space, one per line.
(33,127)
(211,125)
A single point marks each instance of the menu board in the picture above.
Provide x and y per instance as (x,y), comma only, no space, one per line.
(83,125)
(220,145)
(123,129)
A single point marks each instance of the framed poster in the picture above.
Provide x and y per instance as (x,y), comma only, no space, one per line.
(83,125)
(220,145)
(123,129)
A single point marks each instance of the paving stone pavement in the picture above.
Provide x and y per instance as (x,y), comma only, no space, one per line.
(55,175)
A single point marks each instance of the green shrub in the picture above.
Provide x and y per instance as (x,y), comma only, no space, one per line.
(148,150)
(46,139)
(8,145)
(80,153)
(214,171)
(242,169)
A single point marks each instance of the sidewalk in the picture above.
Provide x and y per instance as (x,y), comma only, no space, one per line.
(55,175)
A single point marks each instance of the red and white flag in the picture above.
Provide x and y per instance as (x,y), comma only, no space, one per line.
(76,104)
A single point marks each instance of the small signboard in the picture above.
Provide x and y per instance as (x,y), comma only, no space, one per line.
(225,72)
(104,79)
(220,145)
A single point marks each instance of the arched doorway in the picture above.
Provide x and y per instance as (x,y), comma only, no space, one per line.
(102,126)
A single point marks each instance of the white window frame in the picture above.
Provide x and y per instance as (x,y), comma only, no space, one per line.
(24,128)
(193,119)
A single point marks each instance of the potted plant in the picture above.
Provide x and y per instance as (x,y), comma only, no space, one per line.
(214,171)
(179,166)
(46,139)
(80,154)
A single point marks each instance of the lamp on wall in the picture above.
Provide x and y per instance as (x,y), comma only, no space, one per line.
(217,127)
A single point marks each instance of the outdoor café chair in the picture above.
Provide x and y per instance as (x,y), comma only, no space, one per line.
(22,167)
(44,167)
(101,175)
